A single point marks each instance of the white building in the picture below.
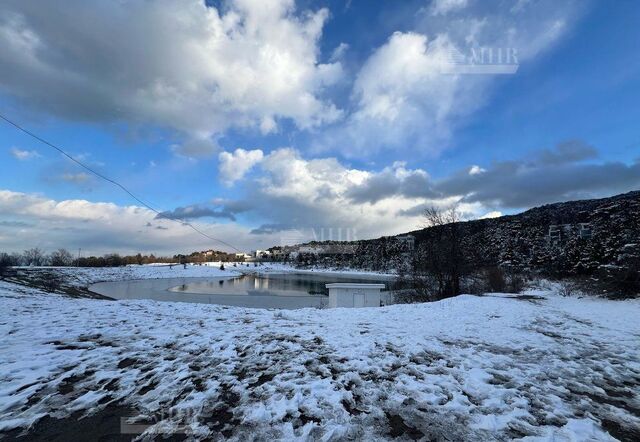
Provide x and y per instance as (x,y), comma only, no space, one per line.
(352,295)
(261,254)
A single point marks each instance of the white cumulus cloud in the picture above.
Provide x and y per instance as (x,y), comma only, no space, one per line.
(403,96)
(324,194)
(411,93)
(175,63)
(101,227)
(234,165)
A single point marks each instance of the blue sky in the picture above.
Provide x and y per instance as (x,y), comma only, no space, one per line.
(268,122)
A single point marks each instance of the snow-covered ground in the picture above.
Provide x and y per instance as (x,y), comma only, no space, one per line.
(85,276)
(468,368)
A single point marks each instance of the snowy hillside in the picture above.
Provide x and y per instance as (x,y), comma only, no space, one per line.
(522,241)
(468,368)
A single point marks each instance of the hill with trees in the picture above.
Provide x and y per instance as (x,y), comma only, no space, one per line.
(597,238)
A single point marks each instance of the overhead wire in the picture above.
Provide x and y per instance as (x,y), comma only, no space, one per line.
(160,215)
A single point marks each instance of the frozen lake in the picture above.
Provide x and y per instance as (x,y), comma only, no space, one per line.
(282,290)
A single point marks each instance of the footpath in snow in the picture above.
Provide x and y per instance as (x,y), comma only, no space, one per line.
(468,368)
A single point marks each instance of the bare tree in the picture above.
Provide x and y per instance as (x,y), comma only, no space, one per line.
(16,259)
(434,216)
(33,257)
(5,263)
(61,258)
(439,263)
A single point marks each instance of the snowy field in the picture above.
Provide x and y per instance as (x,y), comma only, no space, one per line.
(469,368)
(85,276)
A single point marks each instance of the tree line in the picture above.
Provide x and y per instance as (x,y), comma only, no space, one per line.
(63,258)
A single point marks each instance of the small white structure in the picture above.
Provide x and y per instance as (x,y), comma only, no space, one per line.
(354,295)
(258,254)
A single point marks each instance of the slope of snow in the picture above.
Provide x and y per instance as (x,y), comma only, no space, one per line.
(468,368)
(84,276)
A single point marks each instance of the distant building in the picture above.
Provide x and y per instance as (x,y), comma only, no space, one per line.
(585,231)
(261,254)
(409,241)
(278,253)
(559,233)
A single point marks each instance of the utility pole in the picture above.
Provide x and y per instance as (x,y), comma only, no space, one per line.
(78,261)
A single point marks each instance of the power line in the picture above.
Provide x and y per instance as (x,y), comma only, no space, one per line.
(115,183)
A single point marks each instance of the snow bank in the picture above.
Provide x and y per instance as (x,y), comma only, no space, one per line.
(84,276)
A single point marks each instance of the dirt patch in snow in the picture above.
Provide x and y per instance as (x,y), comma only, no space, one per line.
(103,425)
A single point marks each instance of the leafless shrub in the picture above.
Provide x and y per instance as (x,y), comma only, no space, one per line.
(51,282)
(33,257)
(495,280)
(498,280)
(7,261)
(61,258)
(417,288)
(515,282)
(4,264)
(567,288)
(474,284)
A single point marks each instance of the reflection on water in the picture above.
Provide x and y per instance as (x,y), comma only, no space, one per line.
(285,290)
(271,284)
